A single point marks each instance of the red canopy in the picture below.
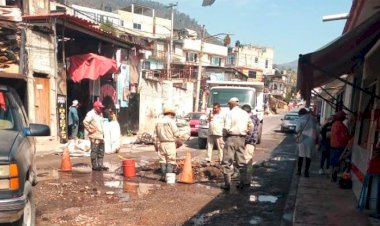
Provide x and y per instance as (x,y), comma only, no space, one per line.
(90,66)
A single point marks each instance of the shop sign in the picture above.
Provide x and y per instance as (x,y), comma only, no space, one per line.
(62,119)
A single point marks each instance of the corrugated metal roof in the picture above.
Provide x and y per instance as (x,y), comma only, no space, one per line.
(84,24)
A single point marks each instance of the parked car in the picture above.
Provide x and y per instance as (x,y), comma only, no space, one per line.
(289,122)
(194,120)
(17,167)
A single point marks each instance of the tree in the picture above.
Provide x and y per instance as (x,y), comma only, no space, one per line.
(108,27)
(227,40)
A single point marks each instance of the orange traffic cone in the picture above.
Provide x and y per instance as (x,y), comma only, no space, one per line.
(66,162)
(187,173)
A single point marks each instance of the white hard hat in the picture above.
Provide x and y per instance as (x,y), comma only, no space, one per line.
(233,99)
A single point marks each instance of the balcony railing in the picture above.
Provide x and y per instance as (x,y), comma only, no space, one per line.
(174,74)
(159,55)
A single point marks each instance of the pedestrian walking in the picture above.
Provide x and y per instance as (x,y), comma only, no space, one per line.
(324,145)
(215,132)
(237,125)
(73,120)
(166,134)
(307,132)
(93,123)
(338,142)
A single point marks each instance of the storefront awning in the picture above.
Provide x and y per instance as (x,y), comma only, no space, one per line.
(338,57)
(90,66)
(332,89)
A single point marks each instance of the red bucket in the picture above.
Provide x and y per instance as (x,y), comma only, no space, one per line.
(129,169)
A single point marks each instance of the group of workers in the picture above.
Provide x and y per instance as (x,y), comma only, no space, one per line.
(234,134)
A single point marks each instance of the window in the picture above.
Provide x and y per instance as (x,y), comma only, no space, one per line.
(216,61)
(146,65)
(121,23)
(191,57)
(136,26)
(231,60)
(256,60)
(252,74)
(266,63)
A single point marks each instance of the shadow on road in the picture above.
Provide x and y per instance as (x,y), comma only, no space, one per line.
(260,204)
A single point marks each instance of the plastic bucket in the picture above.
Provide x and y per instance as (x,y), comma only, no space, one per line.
(129,169)
(170,178)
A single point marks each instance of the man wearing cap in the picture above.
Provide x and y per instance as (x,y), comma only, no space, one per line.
(166,134)
(236,126)
(73,120)
(93,123)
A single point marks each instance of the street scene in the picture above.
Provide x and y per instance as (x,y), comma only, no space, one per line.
(204,112)
(84,198)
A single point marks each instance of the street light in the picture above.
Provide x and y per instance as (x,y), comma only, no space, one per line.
(169,57)
(199,75)
(342,16)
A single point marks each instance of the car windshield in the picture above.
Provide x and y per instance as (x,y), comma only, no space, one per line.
(222,96)
(195,116)
(7,118)
(291,117)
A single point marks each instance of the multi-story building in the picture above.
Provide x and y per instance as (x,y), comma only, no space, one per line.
(253,61)
(277,84)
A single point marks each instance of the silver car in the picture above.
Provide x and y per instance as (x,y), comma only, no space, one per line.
(289,122)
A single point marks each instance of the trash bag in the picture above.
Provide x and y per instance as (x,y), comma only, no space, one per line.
(345,183)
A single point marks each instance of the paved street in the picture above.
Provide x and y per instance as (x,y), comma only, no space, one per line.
(84,197)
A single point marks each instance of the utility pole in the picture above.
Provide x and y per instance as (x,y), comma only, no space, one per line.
(199,75)
(170,47)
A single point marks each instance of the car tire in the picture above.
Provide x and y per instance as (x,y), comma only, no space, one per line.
(29,216)
(202,143)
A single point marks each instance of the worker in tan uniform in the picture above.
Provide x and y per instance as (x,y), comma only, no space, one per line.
(166,132)
(93,123)
(236,126)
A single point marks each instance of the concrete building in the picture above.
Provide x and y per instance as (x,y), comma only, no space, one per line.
(254,61)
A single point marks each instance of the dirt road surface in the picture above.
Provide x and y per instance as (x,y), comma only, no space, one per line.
(83,197)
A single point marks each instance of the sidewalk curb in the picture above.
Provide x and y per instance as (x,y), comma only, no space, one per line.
(289,213)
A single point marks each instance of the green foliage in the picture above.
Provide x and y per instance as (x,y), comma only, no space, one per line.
(108,27)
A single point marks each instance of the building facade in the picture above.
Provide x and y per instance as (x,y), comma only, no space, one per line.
(254,61)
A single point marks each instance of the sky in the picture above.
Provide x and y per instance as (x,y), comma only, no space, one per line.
(290,27)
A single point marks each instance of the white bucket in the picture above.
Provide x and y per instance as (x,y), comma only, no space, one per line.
(170,178)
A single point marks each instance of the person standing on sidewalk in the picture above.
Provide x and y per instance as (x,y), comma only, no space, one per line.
(324,146)
(73,120)
(93,123)
(339,140)
(237,124)
(166,134)
(215,132)
(307,130)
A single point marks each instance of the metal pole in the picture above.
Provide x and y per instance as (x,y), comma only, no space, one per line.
(170,47)
(199,75)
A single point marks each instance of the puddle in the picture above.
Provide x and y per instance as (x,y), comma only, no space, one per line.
(140,189)
(255,220)
(198,220)
(288,217)
(283,158)
(113,184)
(263,198)
(255,184)
(48,175)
